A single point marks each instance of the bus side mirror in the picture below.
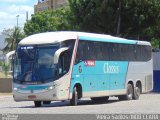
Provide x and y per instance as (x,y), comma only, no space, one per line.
(58,53)
(8,55)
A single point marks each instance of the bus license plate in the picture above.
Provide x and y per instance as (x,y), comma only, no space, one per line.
(32,97)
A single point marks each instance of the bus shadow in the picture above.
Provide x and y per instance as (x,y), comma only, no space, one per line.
(80,103)
(67,103)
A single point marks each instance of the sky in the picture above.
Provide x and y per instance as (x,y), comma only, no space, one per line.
(9,9)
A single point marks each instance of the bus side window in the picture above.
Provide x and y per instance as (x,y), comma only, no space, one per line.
(80,52)
(105,48)
(64,63)
(91,51)
(98,51)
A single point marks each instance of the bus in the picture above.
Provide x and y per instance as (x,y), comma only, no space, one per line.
(67,65)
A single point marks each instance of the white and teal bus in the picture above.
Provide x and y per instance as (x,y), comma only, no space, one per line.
(67,65)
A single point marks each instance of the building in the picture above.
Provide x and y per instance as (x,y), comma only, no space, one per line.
(43,5)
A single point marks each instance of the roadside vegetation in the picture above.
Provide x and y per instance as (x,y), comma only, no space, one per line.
(132,19)
(4,73)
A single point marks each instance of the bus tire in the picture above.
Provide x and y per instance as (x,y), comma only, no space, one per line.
(100,99)
(137,93)
(129,94)
(37,103)
(46,102)
(74,99)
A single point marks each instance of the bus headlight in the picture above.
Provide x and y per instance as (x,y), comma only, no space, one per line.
(15,89)
(50,88)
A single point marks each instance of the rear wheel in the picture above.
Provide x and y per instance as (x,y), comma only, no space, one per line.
(129,95)
(74,99)
(46,102)
(137,92)
(37,103)
(100,99)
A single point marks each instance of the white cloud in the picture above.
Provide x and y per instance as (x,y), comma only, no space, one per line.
(17,9)
(8,15)
(9,9)
(3,15)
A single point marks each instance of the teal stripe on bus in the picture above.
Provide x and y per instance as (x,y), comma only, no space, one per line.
(105,75)
(116,40)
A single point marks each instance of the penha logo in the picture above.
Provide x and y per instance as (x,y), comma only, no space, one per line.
(90,63)
(111,68)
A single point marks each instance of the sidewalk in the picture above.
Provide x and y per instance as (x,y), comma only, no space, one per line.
(4,95)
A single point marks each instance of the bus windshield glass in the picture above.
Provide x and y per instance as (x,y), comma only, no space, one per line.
(35,64)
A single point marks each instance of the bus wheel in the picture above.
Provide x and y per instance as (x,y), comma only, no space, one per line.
(74,99)
(129,95)
(137,93)
(46,102)
(37,103)
(99,99)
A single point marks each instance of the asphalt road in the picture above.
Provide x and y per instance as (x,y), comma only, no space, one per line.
(147,104)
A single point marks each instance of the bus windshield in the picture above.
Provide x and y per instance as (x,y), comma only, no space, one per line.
(35,64)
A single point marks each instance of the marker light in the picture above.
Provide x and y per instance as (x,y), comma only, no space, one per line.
(50,88)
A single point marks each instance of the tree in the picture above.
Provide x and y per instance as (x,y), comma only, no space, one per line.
(12,37)
(155,44)
(50,20)
(140,19)
(134,19)
(98,16)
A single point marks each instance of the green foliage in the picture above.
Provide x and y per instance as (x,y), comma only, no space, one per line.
(6,68)
(50,20)
(12,37)
(155,43)
(135,19)
(1,63)
(140,18)
(95,15)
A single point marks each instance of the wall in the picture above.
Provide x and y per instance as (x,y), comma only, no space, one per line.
(5,85)
(156,71)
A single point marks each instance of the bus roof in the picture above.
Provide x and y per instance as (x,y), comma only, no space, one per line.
(56,37)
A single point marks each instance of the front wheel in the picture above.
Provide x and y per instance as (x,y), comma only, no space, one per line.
(37,103)
(129,94)
(74,99)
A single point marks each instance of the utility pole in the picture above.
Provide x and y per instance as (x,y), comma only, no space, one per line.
(27,16)
(119,17)
(17,19)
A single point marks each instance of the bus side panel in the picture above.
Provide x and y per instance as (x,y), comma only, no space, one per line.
(118,75)
(102,78)
(141,71)
(77,76)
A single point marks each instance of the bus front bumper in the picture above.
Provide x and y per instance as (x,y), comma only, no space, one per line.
(44,96)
